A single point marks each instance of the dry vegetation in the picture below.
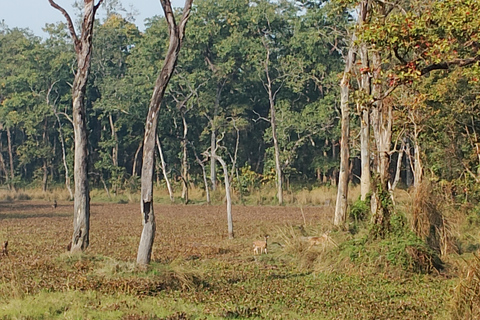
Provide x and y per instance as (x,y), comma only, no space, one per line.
(198,273)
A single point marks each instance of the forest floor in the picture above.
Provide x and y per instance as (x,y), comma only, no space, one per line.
(197,272)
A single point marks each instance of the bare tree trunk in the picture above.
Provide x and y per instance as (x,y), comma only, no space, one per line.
(273,123)
(204,173)
(278,167)
(398,167)
(45,162)
(342,187)
(64,156)
(83,49)
(382,119)
(45,175)
(184,161)
(228,196)
(115,138)
(213,137)
(213,159)
(176,33)
(364,109)
(10,155)
(164,171)
(418,168)
(2,162)
(135,159)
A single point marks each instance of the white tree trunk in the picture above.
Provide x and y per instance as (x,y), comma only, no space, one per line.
(164,171)
(228,197)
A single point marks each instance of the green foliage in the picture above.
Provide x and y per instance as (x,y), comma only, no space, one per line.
(403,250)
(359,210)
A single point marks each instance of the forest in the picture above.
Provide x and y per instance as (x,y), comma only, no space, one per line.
(372,103)
(238,63)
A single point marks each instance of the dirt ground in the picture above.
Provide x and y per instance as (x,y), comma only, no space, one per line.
(36,230)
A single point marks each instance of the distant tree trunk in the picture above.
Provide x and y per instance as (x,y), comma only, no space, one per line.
(418,168)
(45,175)
(83,49)
(45,161)
(213,136)
(207,190)
(184,161)
(273,123)
(164,171)
(2,162)
(10,155)
(64,154)
(176,34)
(364,109)
(396,180)
(342,188)
(135,160)
(228,196)
(213,159)
(115,138)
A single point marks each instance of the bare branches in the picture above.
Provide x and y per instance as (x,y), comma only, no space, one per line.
(446,65)
(71,28)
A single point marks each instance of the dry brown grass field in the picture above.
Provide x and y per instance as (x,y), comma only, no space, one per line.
(197,272)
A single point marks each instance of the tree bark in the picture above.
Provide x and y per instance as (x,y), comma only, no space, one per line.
(184,161)
(341,205)
(364,109)
(176,33)
(382,119)
(228,196)
(115,138)
(342,188)
(83,49)
(213,137)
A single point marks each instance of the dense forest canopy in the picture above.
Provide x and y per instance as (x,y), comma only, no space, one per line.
(239,58)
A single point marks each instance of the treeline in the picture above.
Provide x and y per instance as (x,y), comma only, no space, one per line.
(257,83)
(235,54)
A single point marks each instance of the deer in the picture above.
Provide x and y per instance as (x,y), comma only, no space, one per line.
(54,205)
(5,249)
(260,246)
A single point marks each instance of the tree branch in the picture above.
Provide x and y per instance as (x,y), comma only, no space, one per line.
(71,28)
(446,65)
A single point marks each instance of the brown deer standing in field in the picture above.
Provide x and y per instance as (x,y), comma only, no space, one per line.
(54,205)
(5,248)
(260,246)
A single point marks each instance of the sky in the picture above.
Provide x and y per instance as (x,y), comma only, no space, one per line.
(34,14)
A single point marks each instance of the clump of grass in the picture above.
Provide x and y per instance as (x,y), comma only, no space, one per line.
(466,302)
(177,274)
(429,221)
(304,248)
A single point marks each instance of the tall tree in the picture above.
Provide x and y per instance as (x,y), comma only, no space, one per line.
(83,50)
(176,35)
(342,190)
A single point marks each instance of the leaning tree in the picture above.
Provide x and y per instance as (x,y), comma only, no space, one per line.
(176,34)
(83,50)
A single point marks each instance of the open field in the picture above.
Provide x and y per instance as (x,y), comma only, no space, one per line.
(197,272)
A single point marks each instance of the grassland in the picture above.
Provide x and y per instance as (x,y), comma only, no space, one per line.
(198,273)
